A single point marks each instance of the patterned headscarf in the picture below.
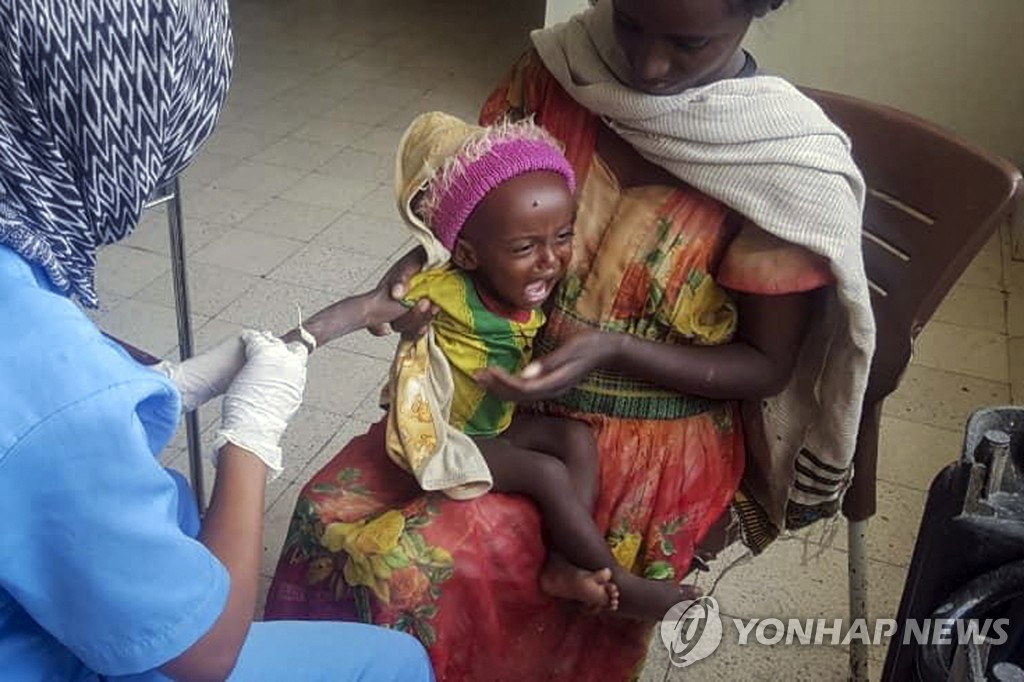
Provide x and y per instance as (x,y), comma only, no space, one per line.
(101,102)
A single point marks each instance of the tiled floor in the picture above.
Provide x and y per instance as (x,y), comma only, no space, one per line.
(290,203)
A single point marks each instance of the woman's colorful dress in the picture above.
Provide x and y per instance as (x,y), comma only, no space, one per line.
(365,543)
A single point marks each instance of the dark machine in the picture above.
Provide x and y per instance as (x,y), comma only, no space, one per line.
(969,561)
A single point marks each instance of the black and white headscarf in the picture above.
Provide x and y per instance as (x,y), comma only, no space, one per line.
(101,102)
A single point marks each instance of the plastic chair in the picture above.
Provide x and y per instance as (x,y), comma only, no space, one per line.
(934,200)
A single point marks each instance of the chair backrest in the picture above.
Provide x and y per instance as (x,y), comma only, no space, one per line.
(933,202)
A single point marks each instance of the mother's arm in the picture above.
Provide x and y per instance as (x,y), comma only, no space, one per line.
(757,364)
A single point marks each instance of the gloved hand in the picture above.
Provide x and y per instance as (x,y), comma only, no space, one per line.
(263,397)
(207,375)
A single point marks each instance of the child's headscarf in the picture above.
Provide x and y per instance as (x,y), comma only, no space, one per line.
(445,167)
(101,102)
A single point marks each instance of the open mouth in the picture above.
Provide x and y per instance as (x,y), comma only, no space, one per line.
(536,293)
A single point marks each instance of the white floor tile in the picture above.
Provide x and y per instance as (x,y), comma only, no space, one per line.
(275,530)
(365,343)
(976,307)
(228,140)
(259,178)
(912,455)
(378,140)
(153,234)
(987,268)
(791,580)
(963,350)
(125,271)
(379,203)
(147,326)
(211,288)
(942,399)
(299,153)
(329,191)
(362,233)
(361,108)
(339,381)
(356,164)
(332,270)
(253,253)
(222,205)
(274,118)
(292,219)
(331,131)
(207,167)
(275,305)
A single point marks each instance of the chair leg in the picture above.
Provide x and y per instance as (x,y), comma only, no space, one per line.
(179,274)
(858,574)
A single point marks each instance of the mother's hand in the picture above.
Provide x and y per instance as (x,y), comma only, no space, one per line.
(555,373)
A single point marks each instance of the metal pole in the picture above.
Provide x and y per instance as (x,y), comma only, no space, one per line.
(181,306)
(858,573)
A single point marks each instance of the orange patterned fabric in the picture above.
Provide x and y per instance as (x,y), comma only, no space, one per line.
(366,543)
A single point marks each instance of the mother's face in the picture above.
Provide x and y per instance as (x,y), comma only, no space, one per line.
(672,45)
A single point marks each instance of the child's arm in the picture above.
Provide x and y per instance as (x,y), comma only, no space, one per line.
(207,375)
(373,308)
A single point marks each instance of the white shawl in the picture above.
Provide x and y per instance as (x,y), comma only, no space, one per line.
(763,148)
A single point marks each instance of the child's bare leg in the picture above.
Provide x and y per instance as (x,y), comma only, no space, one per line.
(569,440)
(573,443)
(545,479)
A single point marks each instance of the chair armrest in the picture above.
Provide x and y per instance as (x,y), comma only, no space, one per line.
(140,356)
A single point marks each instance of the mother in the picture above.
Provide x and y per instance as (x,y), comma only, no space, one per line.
(717,264)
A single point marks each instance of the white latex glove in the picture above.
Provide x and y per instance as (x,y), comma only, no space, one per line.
(207,375)
(263,397)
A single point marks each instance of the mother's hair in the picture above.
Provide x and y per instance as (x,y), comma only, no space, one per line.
(756,8)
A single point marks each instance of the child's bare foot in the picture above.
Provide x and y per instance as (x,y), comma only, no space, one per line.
(610,588)
(595,589)
(649,600)
(613,594)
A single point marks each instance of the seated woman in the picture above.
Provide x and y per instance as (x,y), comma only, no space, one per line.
(717,208)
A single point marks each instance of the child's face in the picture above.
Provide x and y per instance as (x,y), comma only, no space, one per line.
(518,240)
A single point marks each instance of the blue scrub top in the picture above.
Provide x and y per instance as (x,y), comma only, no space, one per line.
(97,574)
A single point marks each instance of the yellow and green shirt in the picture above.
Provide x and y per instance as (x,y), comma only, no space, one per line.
(473,337)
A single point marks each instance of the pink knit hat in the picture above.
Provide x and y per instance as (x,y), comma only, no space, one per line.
(457,178)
